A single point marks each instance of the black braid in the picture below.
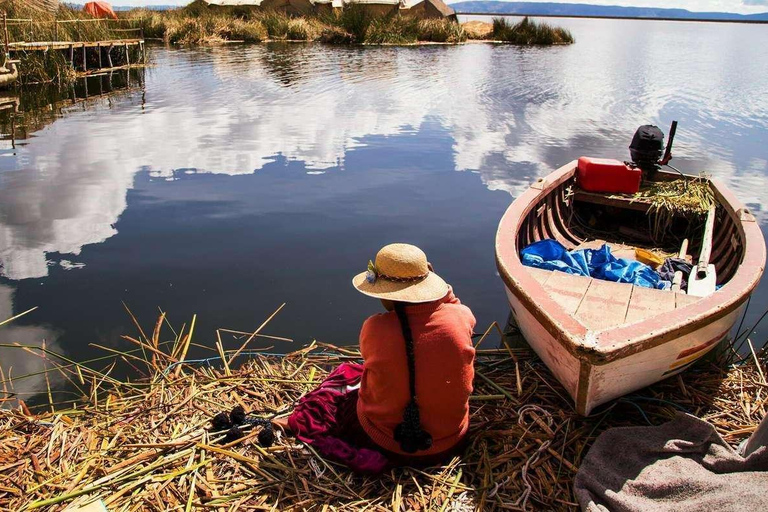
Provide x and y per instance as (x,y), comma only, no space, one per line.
(411,436)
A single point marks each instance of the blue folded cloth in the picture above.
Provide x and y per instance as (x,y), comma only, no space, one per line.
(597,263)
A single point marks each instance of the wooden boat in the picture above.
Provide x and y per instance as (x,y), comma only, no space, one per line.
(604,339)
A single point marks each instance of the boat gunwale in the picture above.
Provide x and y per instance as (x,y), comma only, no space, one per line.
(604,346)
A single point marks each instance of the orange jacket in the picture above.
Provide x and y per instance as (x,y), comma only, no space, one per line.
(444,355)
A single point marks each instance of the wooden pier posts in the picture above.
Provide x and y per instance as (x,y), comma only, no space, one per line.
(80,62)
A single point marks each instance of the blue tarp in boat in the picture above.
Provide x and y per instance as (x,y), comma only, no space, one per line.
(597,263)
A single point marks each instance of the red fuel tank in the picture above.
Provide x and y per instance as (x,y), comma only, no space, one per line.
(605,175)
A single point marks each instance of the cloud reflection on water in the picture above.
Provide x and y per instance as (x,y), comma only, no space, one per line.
(513,114)
(23,370)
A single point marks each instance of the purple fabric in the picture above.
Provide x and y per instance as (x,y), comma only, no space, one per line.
(319,418)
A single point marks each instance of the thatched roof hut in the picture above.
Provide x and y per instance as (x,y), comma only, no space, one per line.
(326,6)
(420,8)
(376,7)
(425,9)
(290,6)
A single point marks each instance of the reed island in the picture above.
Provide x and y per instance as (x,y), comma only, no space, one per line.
(56,45)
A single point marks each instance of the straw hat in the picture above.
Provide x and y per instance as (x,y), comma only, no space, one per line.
(401,273)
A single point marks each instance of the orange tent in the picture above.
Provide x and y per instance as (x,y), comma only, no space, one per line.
(100,9)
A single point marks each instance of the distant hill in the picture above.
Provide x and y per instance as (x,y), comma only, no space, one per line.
(557,9)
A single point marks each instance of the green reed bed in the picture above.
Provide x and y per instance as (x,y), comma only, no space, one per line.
(202,24)
(529,32)
(199,24)
(393,30)
(441,31)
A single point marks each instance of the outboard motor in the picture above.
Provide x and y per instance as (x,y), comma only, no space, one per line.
(647,146)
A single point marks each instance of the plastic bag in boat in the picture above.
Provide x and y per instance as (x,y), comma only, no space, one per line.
(597,263)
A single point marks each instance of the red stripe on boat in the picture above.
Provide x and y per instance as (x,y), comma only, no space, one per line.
(698,348)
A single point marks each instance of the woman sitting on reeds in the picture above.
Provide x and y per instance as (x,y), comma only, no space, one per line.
(408,403)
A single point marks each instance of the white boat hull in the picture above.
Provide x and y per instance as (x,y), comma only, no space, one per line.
(618,378)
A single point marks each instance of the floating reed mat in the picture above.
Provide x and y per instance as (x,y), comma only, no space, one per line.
(147,444)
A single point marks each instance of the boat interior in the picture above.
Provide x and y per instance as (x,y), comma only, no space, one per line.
(580,219)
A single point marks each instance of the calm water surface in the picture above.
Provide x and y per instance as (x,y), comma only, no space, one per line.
(227,181)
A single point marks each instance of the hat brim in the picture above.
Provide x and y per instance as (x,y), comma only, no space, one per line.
(429,289)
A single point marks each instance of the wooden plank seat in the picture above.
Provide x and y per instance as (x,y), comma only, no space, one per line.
(601,305)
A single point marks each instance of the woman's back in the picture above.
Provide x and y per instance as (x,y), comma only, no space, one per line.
(444,355)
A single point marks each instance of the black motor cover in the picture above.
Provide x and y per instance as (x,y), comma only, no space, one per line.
(647,146)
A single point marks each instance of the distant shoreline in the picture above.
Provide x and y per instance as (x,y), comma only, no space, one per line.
(606,17)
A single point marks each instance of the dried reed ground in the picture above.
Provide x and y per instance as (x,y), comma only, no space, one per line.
(144,445)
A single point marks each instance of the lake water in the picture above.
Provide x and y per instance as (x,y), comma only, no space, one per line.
(226,181)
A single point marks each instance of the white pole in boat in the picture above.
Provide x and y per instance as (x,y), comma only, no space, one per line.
(703,280)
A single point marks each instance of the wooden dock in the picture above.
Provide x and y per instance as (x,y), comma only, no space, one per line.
(44,46)
(88,55)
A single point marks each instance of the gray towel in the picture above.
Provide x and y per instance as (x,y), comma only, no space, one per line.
(683,465)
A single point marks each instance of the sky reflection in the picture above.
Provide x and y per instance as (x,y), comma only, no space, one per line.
(239,177)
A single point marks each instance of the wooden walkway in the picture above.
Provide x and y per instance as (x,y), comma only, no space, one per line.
(44,46)
(89,55)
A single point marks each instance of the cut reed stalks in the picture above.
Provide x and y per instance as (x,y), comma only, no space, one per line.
(146,444)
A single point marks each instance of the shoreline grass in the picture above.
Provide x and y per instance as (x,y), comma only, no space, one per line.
(529,32)
(199,24)
(149,441)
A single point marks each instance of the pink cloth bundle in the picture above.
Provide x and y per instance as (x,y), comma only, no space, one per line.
(323,416)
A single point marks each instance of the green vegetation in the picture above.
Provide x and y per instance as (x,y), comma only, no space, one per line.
(438,31)
(200,24)
(529,32)
(40,25)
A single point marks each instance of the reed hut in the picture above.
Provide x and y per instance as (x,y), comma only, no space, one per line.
(294,7)
(422,9)
(376,7)
(426,9)
(328,6)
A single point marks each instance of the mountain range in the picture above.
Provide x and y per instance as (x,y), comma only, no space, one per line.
(612,11)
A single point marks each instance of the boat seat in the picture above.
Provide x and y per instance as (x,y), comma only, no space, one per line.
(601,305)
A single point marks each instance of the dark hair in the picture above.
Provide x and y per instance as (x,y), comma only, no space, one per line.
(411,436)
